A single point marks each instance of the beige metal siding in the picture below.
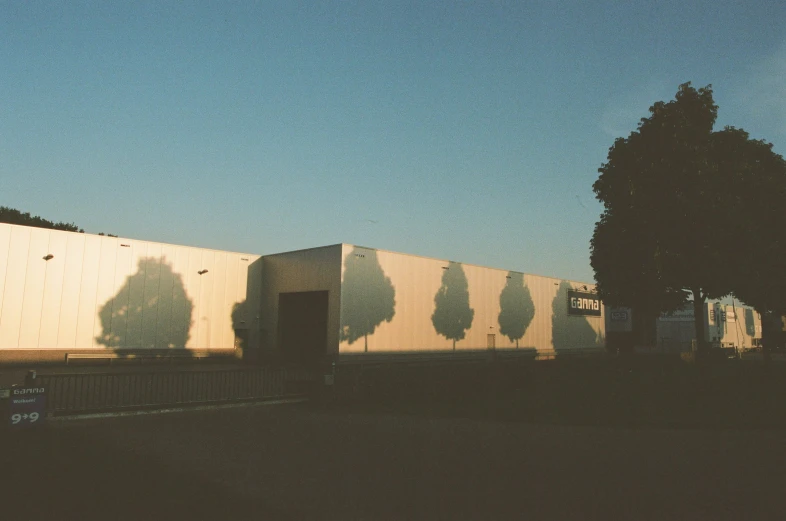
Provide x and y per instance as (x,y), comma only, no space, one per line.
(88,294)
(151,297)
(53,291)
(181,321)
(5,243)
(104,292)
(416,282)
(14,291)
(70,294)
(166,284)
(202,309)
(219,333)
(33,298)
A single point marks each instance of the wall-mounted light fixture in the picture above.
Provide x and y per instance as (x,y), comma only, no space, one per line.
(202,272)
(48,256)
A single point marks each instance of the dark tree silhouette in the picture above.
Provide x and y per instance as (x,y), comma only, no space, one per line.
(452,314)
(516,308)
(368,297)
(750,327)
(13,216)
(240,323)
(569,332)
(673,192)
(167,309)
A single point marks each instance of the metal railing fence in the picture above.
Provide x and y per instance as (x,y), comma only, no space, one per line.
(95,392)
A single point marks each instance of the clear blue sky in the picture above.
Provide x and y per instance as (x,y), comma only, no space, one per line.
(471,131)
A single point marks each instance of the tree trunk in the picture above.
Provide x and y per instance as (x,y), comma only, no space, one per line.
(365,343)
(698,321)
(454,345)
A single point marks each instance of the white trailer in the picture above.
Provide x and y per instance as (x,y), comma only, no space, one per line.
(725,325)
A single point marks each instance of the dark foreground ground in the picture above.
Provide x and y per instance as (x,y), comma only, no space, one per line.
(298,462)
(638,439)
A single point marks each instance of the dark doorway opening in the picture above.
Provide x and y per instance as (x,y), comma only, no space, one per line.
(302,326)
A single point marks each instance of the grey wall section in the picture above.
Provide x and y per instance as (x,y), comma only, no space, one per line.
(439,304)
(316,269)
(101,292)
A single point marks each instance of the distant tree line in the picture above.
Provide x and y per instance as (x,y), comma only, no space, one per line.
(14,216)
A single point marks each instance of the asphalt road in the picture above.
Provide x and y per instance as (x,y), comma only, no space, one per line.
(294,462)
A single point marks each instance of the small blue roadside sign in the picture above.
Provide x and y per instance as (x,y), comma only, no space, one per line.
(27,406)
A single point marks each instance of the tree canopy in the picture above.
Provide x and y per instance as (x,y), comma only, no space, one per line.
(13,216)
(687,211)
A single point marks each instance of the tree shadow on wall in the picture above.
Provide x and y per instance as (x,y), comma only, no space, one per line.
(516,308)
(151,310)
(452,314)
(240,324)
(569,331)
(368,297)
(750,327)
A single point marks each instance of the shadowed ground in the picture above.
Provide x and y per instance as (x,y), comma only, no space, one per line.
(278,462)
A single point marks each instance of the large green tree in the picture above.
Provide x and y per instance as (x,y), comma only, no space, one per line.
(756,180)
(673,209)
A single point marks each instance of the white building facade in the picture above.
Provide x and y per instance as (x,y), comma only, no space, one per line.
(64,292)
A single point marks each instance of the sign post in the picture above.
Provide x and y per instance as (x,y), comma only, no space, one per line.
(27,406)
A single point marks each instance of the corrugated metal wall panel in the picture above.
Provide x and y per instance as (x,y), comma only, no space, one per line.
(192,286)
(203,315)
(417,325)
(128,283)
(151,297)
(69,301)
(105,294)
(182,302)
(233,295)
(14,291)
(5,247)
(53,291)
(35,278)
(88,325)
(220,326)
(166,283)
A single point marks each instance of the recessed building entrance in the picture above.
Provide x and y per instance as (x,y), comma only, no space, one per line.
(302,326)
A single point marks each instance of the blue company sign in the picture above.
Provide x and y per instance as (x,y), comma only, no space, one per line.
(583,304)
(27,406)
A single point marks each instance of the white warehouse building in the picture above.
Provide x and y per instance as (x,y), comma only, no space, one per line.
(65,294)
(376,302)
